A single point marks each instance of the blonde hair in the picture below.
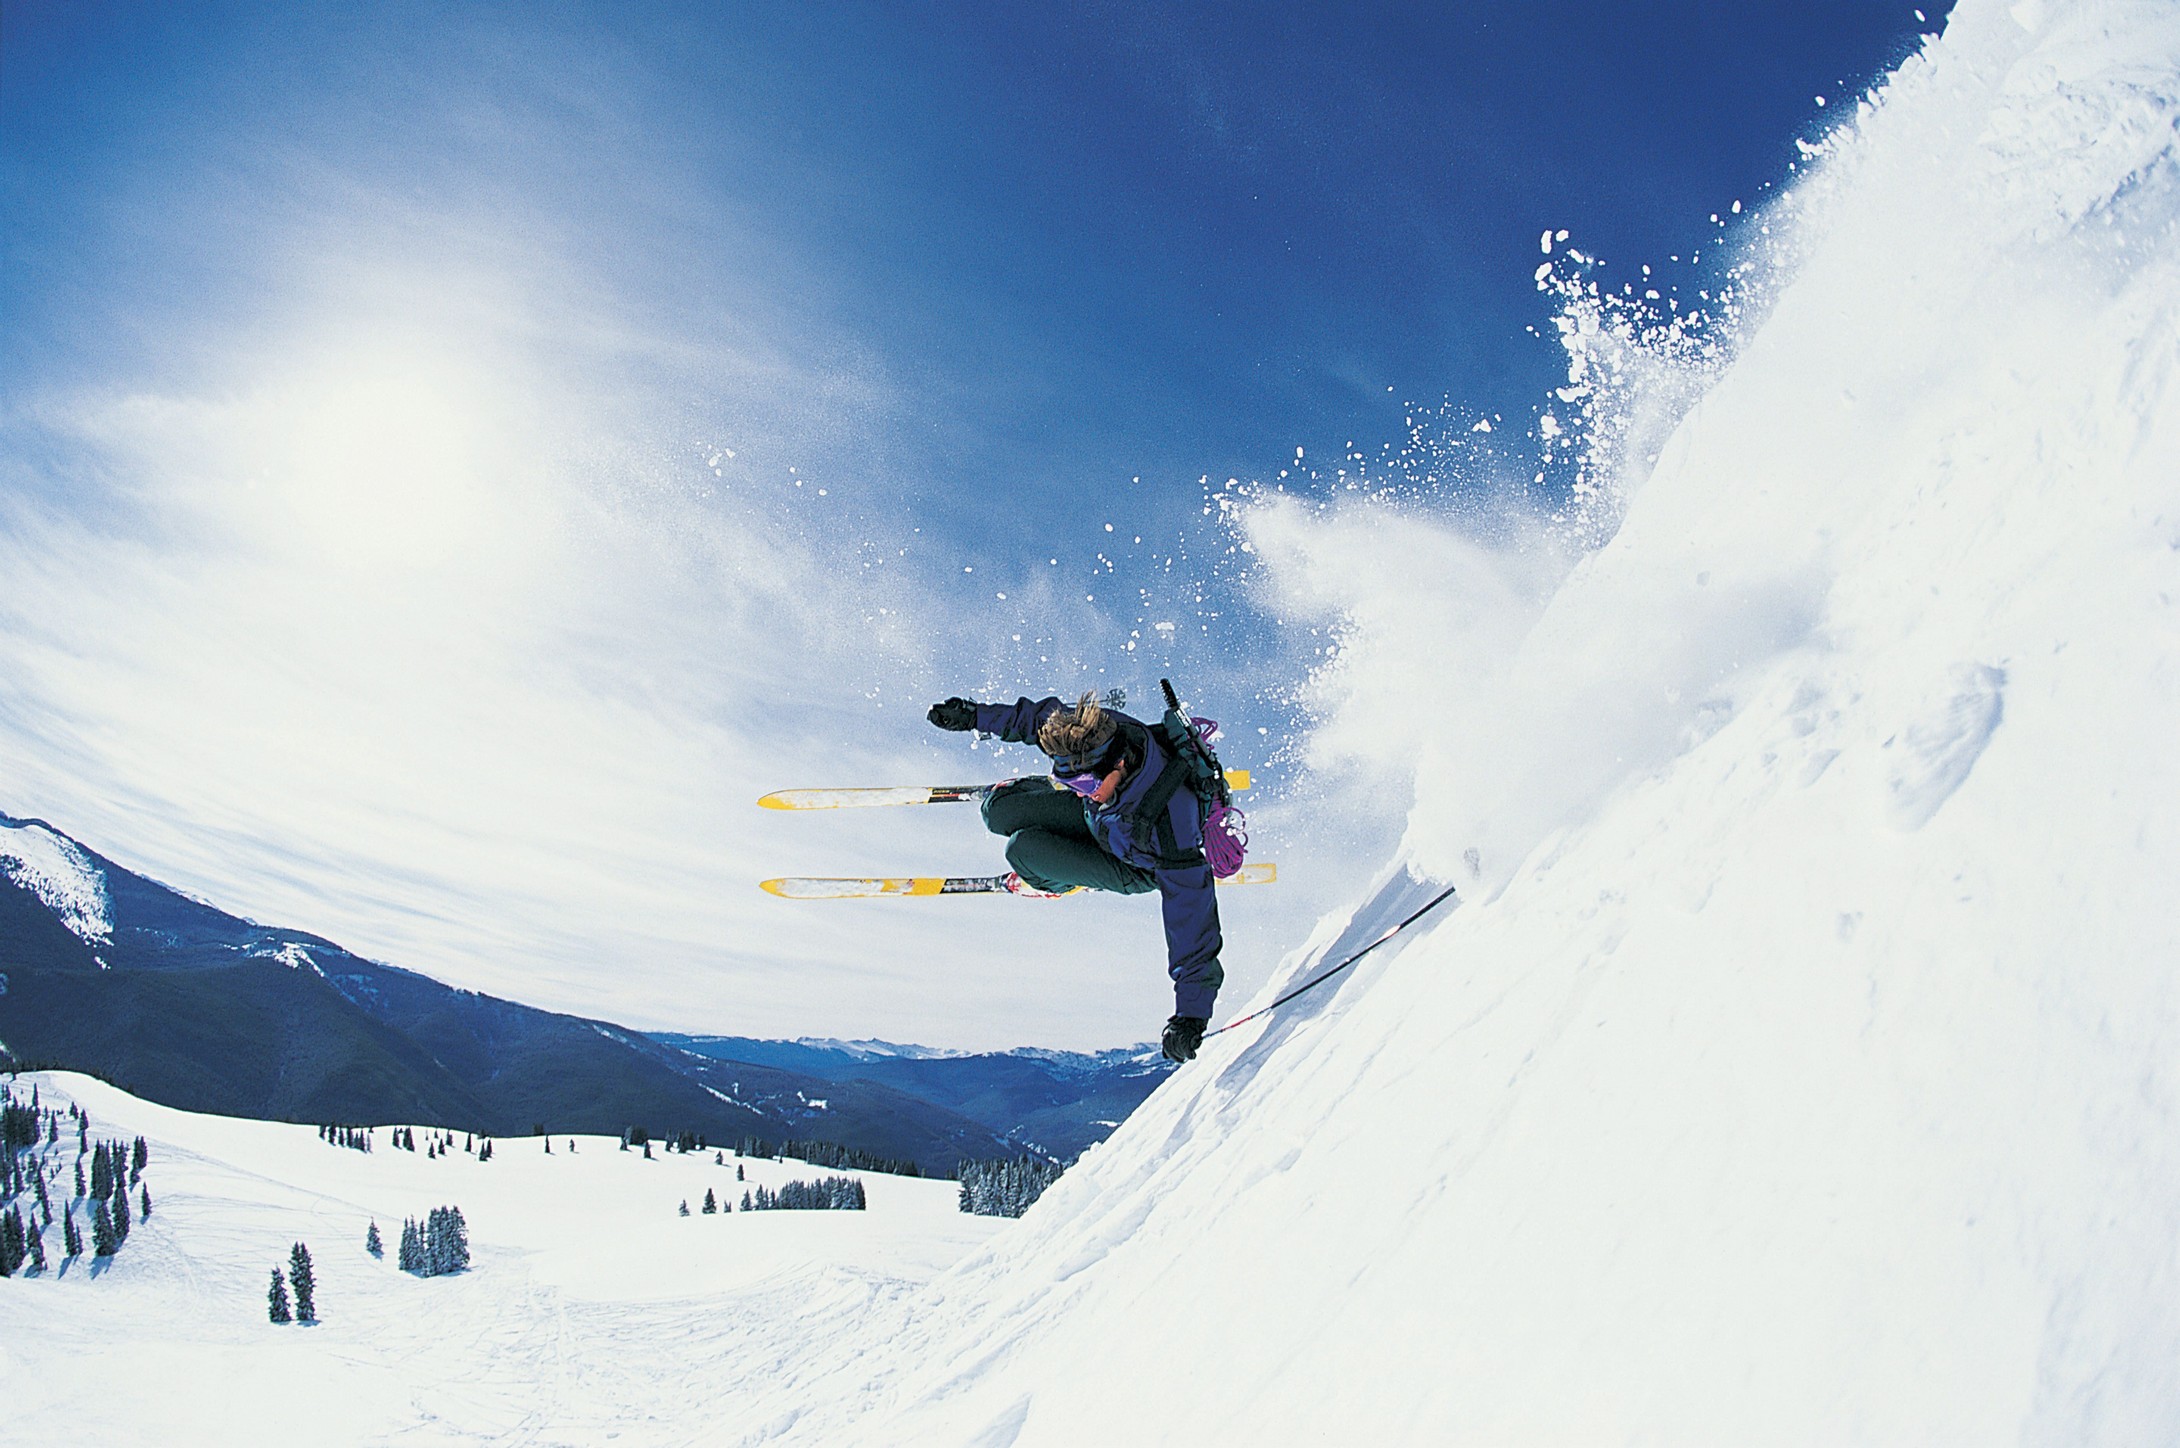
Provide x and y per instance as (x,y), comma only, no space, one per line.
(1077,730)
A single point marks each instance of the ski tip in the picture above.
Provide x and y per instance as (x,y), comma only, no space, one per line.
(1237,779)
(777,800)
(775,887)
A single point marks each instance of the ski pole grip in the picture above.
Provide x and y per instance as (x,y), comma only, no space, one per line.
(1173,701)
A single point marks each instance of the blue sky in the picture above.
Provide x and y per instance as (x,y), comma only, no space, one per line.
(452,458)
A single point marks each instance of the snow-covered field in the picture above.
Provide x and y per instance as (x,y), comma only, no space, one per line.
(593,1311)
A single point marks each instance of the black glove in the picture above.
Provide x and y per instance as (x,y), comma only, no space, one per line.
(958,715)
(1183,1035)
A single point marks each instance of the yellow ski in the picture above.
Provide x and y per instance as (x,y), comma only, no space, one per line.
(806,887)
(870,798)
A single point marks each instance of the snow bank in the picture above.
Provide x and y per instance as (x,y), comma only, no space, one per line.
(1804,1063)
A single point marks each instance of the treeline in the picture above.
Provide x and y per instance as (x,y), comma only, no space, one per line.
(355,1138)
(34,1162)
(436,1143)
(827,1153)
(828,1194)
(817,1153)
(1005,1188)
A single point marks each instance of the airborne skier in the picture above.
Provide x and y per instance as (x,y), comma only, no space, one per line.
(1121,811)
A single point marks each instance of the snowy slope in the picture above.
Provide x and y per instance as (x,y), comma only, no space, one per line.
(1803,1064)
(592,1312)
(55,869)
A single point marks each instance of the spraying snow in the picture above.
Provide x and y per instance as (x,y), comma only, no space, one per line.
(1801,1064)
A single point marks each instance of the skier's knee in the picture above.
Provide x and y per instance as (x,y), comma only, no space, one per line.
(1005,809)
(1025,854)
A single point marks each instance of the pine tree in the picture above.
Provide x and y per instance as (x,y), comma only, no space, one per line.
(121,1216)
(276,1299)
(306,1283)
(745,1203)
(71,1239)
(411,1257)
(372,1244)
(739,1174)
(711,1203)
(102,1173)
(79,1176)
(103,1243)
(141,1158)
(446,1241)
(12,1249)
(684,1208)
(37,1252)
(144,1195)
(484,1153)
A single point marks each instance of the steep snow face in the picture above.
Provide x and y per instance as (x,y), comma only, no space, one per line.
(1803,1063)
(61,875)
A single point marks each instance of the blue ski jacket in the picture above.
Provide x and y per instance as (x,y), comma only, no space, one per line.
(1186,895)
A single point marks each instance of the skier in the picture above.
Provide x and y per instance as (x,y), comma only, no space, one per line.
(1114,815)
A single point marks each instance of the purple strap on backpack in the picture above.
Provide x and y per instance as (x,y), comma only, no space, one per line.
(1226,829)
(1226,840)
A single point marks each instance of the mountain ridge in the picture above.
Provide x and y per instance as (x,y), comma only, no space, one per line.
(107,971)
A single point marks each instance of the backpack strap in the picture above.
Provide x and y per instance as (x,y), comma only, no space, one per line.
(1155,813)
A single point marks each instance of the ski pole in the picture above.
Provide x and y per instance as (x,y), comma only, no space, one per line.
(1437,900)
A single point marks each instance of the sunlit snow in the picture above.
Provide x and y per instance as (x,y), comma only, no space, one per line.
(61,875)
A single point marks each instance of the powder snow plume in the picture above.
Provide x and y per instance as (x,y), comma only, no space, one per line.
(1802,1062)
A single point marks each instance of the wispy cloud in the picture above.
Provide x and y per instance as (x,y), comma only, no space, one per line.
(463,499)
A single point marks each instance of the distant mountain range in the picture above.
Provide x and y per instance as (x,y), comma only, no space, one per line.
(107,972)
(1057,1103)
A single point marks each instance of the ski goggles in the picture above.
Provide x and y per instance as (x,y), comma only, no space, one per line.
(1083,784)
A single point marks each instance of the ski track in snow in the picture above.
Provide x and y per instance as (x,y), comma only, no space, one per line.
(1938,750)
(593,1312)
